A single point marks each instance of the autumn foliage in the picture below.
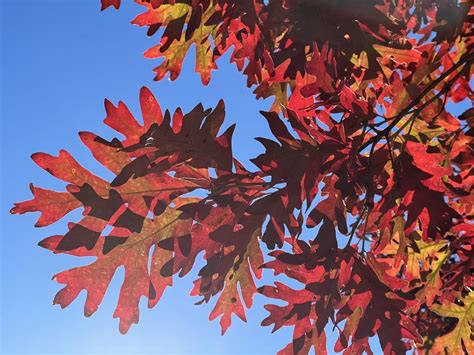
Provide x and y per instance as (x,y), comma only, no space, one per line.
(372,152)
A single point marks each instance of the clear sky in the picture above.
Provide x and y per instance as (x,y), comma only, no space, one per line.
(60,59)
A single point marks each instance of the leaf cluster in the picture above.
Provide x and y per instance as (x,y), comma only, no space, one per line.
(370,152)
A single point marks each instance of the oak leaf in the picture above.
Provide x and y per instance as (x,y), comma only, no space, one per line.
(458,341)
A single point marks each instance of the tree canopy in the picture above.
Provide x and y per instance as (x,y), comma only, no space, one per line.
(371,150)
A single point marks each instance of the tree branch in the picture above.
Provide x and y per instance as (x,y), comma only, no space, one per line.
(466,60)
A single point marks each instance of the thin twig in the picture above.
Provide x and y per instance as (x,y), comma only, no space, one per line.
(355,225)
(467,60)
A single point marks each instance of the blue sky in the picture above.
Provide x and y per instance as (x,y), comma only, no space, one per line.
(60,59)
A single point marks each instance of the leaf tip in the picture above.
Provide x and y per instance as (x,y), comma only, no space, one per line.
(47,244)
(14,209)
(84,134)
(144,90)
(36,156)
(221,103)
(123,327)
(89,311)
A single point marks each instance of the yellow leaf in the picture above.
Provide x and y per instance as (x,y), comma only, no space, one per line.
(460,337)
(176,52)
(399,234)
(425,264)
